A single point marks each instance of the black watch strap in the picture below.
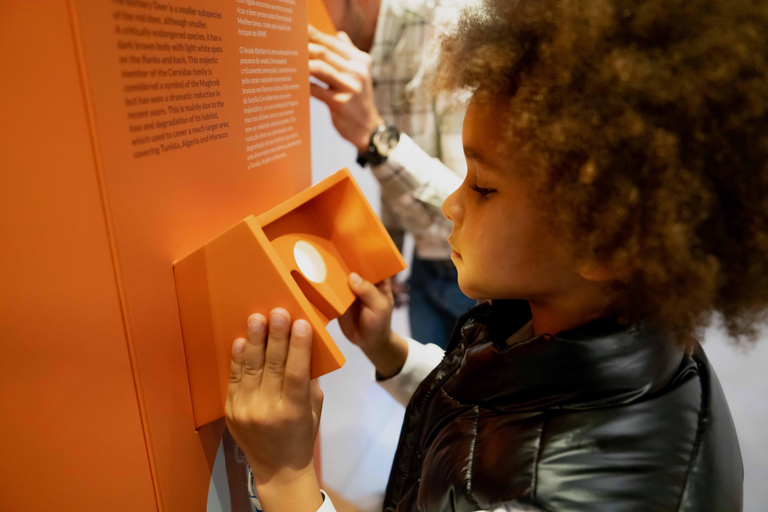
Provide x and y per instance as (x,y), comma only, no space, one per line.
(370,157)
(385,136)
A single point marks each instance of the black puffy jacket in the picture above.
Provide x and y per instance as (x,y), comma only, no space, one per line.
(600,418)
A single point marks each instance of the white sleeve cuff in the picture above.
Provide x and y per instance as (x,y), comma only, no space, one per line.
(421,360)
(327,506)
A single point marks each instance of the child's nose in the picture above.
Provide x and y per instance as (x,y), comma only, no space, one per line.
(452,206)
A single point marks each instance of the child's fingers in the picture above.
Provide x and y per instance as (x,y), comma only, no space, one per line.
(348,321)
(236,366)
(276,354)
(235,375)
(253,353)
(296,384)
(385,287)
(368,293)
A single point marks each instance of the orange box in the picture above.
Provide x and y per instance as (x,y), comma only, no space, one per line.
(297,255)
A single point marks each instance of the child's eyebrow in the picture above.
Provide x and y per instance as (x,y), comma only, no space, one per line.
(472,154)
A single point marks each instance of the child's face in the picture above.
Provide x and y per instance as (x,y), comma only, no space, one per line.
(503,247)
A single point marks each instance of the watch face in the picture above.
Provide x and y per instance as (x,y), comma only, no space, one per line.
(385,139)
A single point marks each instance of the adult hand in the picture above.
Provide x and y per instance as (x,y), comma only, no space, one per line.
(273,410)
(335,61)
(368,324)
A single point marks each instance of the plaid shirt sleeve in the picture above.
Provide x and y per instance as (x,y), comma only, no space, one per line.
(414,186)
(428,163)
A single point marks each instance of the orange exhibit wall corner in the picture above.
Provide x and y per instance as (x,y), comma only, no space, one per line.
(298,256)
(318,17)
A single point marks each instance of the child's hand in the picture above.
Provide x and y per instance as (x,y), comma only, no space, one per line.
(368,324)
(273,409)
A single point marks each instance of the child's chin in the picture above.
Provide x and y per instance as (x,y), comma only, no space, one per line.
(469,291)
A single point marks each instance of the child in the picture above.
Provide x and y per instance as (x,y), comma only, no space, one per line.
(616,197)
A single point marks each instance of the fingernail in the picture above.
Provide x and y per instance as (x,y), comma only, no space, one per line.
(277,319)
(355,279)
(301,327)
(238,346)
(256,323)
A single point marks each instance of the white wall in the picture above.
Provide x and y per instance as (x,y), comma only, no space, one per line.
(742,372)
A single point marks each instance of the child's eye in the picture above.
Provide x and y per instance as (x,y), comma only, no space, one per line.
(480,190)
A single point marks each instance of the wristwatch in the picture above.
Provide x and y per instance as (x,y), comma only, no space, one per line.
(384,139)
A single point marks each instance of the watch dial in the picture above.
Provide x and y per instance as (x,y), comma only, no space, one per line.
(386,140)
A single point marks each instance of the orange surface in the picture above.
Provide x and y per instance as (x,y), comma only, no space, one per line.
(95,400)
(319,17)
(72,435)
(251,268)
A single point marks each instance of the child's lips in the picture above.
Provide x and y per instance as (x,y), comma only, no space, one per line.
(454,252)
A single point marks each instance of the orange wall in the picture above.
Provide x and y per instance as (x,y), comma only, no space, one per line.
(95,403)
(71,432)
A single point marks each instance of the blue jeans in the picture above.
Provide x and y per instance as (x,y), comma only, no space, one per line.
(435,300)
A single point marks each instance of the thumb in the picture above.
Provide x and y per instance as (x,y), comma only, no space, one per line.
(316,397)
(367,292)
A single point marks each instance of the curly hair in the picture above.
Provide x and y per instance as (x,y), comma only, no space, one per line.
(644,124)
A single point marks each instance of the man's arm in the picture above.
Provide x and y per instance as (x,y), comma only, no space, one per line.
(414,184)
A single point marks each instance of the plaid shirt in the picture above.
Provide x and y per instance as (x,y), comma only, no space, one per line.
(428,163)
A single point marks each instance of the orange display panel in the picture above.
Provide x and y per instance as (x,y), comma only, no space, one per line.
(134,132)
(319,17)
(298,256)
(72,432)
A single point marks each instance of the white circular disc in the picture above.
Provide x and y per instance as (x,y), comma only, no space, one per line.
(310,261)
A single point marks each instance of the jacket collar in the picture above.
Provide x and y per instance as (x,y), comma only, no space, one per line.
(595,365)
